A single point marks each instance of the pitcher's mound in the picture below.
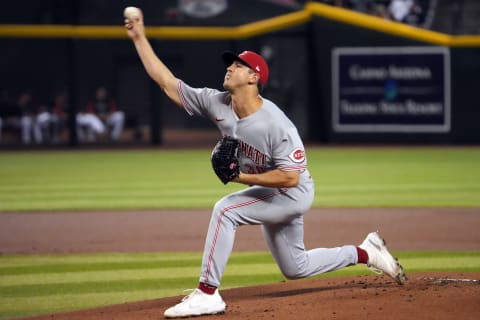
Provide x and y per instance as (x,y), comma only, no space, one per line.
(425,296)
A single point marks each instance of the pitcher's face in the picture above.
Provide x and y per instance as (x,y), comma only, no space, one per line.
(238,75)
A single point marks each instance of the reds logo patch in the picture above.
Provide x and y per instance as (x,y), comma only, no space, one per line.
(297,155)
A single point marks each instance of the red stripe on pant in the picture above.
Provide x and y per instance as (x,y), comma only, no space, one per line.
(219,222)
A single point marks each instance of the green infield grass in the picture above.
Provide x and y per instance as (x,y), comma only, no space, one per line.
(39,284)
(149,179)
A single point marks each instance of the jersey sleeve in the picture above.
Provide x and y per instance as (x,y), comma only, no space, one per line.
(289,152)
(195,100)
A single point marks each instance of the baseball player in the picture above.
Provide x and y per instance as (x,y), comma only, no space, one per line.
(100,114)
(272,163)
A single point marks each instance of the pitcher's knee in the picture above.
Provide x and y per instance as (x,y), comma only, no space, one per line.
(221,210)
(293,274)
(297,269)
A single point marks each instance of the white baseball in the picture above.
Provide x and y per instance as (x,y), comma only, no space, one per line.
(131,13)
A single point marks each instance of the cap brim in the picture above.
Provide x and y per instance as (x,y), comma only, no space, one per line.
(229,57)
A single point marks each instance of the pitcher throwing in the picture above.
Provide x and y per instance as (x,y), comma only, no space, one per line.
(270,160)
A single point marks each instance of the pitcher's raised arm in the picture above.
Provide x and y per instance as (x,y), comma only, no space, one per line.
(155,68)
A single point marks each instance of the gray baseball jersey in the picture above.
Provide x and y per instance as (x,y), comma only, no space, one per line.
(268,140)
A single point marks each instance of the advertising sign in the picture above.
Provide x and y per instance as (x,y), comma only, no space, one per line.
(391,89)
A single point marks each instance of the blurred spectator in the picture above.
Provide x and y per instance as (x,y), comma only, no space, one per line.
(101,115)
(42,124)
(364,6)
(399,9)
(33,119)
(381,11)
(58,115)
(407,11)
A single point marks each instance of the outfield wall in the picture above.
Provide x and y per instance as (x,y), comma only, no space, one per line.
(302,44)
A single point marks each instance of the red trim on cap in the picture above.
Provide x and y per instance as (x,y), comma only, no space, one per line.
(257,63)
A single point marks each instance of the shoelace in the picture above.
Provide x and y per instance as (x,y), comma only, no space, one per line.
(188,296)
(375,270)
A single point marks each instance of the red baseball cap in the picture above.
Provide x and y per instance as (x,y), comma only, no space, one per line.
(252,60)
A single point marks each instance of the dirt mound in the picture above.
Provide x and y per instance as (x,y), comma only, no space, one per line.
(425,296)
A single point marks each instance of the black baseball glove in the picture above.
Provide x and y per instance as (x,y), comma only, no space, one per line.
(225,159)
